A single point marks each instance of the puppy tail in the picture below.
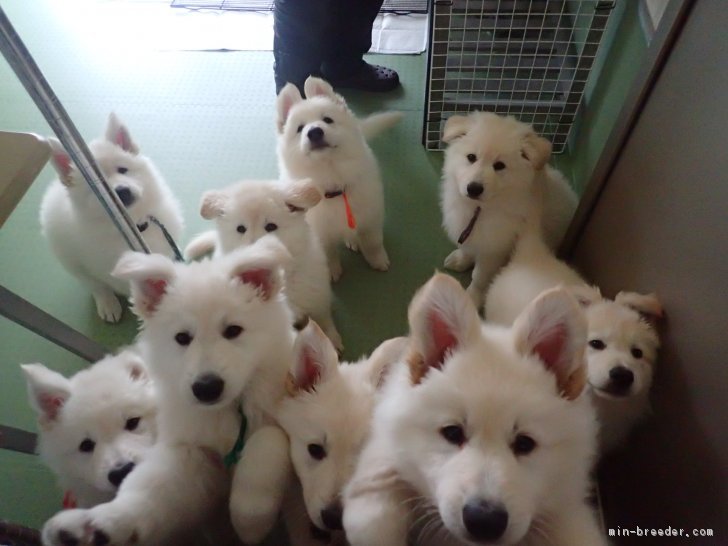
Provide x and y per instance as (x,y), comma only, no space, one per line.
(202,244)
(372,125)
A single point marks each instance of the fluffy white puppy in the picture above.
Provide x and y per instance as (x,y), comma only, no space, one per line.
(327,415)
(215,333)
(94,427)
(81,234)
(321,139)
(491,164)
(481,435)
(622,338)
(251,209)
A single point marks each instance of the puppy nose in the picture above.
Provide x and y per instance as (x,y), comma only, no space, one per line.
(208,388)
(117,475)
(485,520)
(621,377)
(331,515)
(315,135)
(125,195)
(474,189)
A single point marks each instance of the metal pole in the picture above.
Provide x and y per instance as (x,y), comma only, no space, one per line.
(40,91)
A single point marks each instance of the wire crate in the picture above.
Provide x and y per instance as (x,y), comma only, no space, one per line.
(526,58)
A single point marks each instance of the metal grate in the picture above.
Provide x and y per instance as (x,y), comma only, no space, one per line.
(530,59)
(389,6)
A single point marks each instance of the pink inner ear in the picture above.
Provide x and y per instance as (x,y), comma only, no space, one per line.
(551,348)
(311,373)
(259,278)
(63,162)
(123,140)
(443,340)
(51,405)
(154,289)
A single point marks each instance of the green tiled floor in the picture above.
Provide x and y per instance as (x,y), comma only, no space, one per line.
(207,119)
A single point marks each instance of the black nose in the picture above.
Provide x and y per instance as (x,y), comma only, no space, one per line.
(485,520)
(331,516)
(621,378)
(125,195)
(475,189)
(208,388)
(117,475)
(315,135)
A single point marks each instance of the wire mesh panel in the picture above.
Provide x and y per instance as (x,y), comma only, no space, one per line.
(389,6)
(530,59)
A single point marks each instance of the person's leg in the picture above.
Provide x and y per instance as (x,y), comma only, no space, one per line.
(301,30)
(350,37)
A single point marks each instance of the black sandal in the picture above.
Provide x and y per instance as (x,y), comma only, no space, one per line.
(371,77)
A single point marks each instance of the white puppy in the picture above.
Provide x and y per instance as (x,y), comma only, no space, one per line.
(319,138)
(81,234)
(481,435)
(94,427)
(249,210)
(215,332)
(491,164)
(327,414)
(623,341)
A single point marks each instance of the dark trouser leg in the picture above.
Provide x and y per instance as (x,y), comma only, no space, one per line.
(351,36)
(301,37)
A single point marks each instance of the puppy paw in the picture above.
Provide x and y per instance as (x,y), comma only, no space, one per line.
(108,306)
(253,519)
(379,260)
(68,528)
(459,261)
(476,295)
(353,246)
(108,525)
(336,271)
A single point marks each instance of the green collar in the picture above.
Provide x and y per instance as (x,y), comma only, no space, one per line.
(234,455)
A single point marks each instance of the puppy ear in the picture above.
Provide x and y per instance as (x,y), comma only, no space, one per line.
(553,329)
(117,133)
(287,99)
(314,361)
(536,149)
(48,391)
(148,276)
(442,318)
(301,195)
(585,295)
(646,305)
(134,365)
(61,161)
(316,87)
(259,266)
(213,204)
(381,360)
(455,126)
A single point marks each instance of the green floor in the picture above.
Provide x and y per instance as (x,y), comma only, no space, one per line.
(207,119)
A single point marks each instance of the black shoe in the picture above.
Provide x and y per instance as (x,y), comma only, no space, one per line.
(371,77)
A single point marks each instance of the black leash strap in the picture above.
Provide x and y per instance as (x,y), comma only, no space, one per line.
(170,240)
(469,228)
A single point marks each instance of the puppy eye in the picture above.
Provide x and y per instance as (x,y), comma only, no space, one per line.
(453,434)
(472,158)
(270,226)
(300,128)
(317,451)
(328,120)
(523,444)
(499,166)
(183,338)
(232,331)
(87,446)
(122,170)
(133,423)
(241,228)
(636,352)
(597,344)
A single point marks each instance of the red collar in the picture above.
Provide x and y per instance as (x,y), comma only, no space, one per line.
(69,500)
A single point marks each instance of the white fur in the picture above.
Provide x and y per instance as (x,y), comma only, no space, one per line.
(95,405)
(186,312)
(346,163)
(495,384)
(260,207)
(621,327)
(506,198)
(329,406)
(81,234)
